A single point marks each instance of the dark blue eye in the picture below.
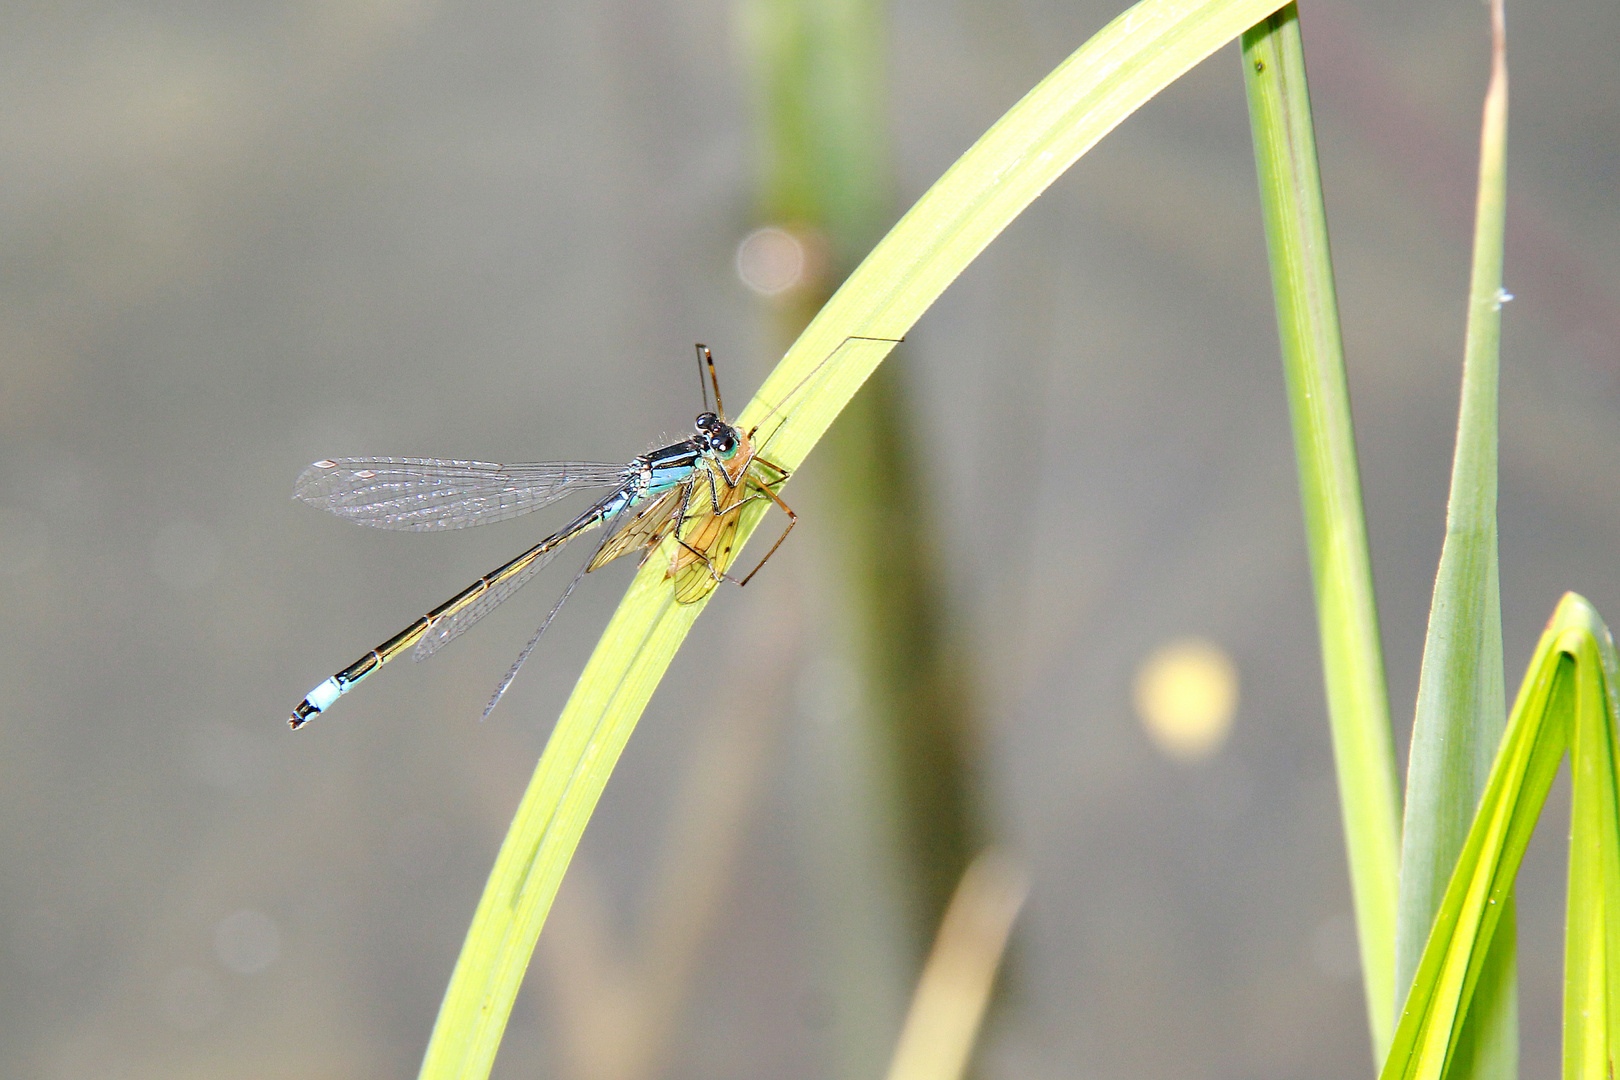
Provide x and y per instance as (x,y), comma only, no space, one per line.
(723,442)
(707,420)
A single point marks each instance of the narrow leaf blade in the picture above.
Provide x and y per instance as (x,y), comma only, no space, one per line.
(1330,490)
(1461,705)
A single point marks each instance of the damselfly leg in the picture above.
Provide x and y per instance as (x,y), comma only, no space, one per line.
(713,549)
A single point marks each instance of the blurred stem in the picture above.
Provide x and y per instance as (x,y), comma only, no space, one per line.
(818,77)
(942,1025)
(1330,488)
(919,694)
(818,68)
(1461,705)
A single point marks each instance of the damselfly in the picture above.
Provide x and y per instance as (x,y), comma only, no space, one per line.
(693,490)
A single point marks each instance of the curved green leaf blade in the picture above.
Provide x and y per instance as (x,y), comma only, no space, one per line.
(1570,698)
(1125,64)
(1592,921)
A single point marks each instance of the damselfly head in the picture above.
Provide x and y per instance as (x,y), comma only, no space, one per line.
(722,440)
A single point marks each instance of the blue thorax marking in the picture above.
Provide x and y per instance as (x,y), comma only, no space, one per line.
(669,467)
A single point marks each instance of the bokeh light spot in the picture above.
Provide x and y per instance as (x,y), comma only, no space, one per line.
(247,942)
(771,260)
(1186,694)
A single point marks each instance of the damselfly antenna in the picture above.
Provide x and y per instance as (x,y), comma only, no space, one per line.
(703,384)
(707,357)
(812,373)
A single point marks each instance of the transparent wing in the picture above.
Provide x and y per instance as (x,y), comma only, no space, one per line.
(456,617)
(646,528)
(696,576)
(708,538)
(422,494)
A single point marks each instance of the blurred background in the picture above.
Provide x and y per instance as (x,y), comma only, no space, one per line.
(240,237)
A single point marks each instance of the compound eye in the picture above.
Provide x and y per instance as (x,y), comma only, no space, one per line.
(723,442)
(707,420)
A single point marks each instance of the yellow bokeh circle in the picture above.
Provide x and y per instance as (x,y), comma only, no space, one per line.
(1186,693)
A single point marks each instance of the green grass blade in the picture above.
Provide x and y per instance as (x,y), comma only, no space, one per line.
(1125,64)
(1461,704)
(1330,487)
(1461,699)
(1568,699)
(1592,922)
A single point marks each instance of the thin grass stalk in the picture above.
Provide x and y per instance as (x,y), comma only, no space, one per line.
(919,682)
(954,989)
(1461,704)
(1330,487)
